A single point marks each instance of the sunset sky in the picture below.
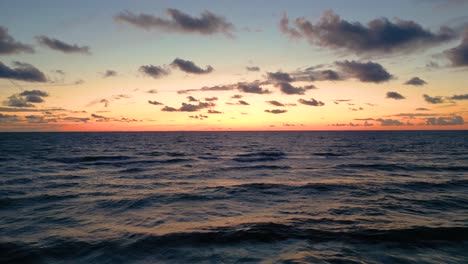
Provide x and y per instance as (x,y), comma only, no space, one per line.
(233,65)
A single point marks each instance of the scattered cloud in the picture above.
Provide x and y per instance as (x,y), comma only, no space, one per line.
(186,107)
(275,103)
(433,100)
(190,67)
(211,99)
(107,101)
(395,95)
(207,24)
(109,73)
(422,109)
(236,96)
(276,111)
(379,36)
(8,118)
(22,72)
(199,117)
(211,111)
(61,46)
(311,102)
(459,97)
(252,88)
(152,91)
(154,71)
(8,45)
(279,77)
(168,109)
(445,121)
(240,102)
(26,98)
(458,55)
(389,122)
(252,68)
(416,81)
(287,88)
(365,71)
(154,102)
(192,99)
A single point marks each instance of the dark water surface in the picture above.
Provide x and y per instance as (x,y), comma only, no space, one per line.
(234,197)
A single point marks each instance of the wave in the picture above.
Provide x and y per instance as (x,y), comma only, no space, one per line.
(90,159)
(246,233)
(399,167)
(260,156)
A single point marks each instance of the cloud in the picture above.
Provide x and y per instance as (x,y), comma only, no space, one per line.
(311,102)
(100,118)
(287,30)
(192,99)
(365,72)
(200,117)
(26,98)
(8,45)
(61,46)
(378,36)
(22,72)
(107,101)
(275,103)
(287,88)
(252,68)
(389,122)
(276,111)
(252,88)
(189,107)
(109,73)
(395,95)
(207,24)
(152,91)
(312,74)
(190,67)
(458,56)
(236,96)
(210,111)
(211,99)
(154,71)
(416,81)
(445,121)
(422,109)
(8,118)
(242,102)
(154,102)
(279,77)
(433,100)
(459,97)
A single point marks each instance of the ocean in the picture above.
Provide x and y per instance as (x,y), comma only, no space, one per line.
(234,197)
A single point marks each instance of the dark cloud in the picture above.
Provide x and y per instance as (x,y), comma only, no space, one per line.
(242,102)
(275,103)
(389,122)
(422,109)
(210,111)
(459,97)
(276,111)
(330,75)
(445,121)
(168,109)
(211,99)
(192,99)
(8,45)
(287,30)
(416,81)
(458,56)
(365,72)
(152,91)
(252,88)
(26,98)
(313,74)
(252,68)
(236,96)
(190,67)
(395,95)
(200,117)
(279,77)
(433,100)
(189,107)
(311,102)
(59,45)
(287,88)
(13,109)
(109,73)
(154,71)
(100,118)
(207,24)
(22,72)
(8,118)
(378,36)
(154,102)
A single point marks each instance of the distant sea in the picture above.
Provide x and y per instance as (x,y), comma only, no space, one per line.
(234,197)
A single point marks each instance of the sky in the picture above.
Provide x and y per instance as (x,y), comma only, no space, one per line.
(233,65)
